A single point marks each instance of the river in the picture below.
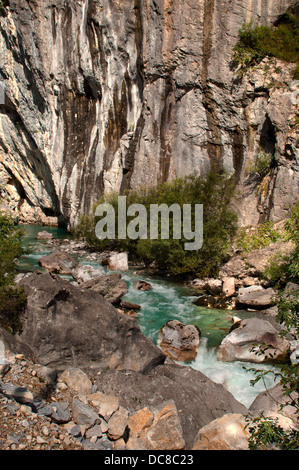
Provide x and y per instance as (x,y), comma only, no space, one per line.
(169,300)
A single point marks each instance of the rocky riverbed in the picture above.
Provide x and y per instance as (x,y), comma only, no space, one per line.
(82,375)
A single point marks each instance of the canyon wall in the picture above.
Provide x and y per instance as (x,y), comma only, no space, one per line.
(105,95)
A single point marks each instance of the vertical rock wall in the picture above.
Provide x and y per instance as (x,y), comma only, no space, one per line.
(105,95)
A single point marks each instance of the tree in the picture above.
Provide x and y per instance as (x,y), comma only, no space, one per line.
(12,298)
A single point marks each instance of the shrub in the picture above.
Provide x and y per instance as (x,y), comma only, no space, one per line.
(12,299)
(259,237)
(219,225)
(10,249)
(281,41)
(13,302)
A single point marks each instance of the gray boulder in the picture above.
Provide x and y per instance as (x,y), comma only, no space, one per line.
(178,341)
(256,297)
(65,326)
(239,344)
(58,262)
(111,286)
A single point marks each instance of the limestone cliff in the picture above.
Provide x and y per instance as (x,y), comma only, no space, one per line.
(109,94)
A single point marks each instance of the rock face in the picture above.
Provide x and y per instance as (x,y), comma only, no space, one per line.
(239,343)
(178,341)
(65,326)
(103,95)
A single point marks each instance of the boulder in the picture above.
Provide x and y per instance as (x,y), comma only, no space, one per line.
(84,414)
(44,235)
(256,297)
(178,341)
(77,380)
(198,399)
(165,432)
(239,344)
(65,326)
(118,262)
(117,424)
(111,286)
(84,273)
(276,404)
(143,285)
(225,433)
(229,286)
(58,262)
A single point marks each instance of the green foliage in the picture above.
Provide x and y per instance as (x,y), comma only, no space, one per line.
(219,225)
(266,434)
(256,43)
(12,298)
(262,165)
(249,239)
(10,249)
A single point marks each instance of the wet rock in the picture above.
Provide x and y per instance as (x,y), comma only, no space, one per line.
(240,342)
(225,433)
(178,341)
(143,285)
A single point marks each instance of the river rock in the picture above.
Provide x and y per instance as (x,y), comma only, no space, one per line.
(225,433)
(66,326)
(84,273)
(256,297)
(118,262)
(58,262)
(178,341)
(198,399)
(44,235)
(239,343)
(111,286)
(143,285)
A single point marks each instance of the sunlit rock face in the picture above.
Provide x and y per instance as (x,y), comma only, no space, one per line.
(105,95)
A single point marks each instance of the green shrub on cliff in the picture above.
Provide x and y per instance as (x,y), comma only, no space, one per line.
(12,299)
(214,192)
(281,41)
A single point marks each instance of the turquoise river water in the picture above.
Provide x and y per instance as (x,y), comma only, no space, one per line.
(169,300)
